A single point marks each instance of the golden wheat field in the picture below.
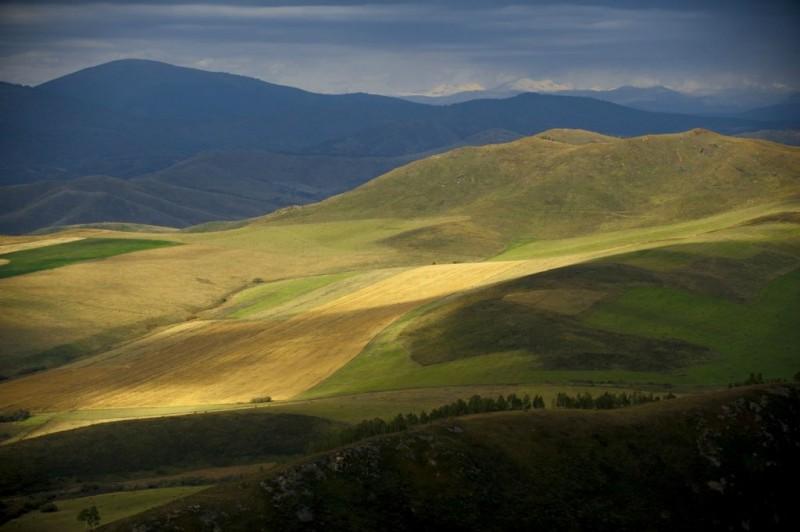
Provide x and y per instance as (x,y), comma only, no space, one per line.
(94,304)
(222,361)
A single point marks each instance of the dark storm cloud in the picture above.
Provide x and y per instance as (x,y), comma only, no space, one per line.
(396,47)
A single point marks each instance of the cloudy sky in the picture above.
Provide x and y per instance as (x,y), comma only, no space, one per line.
(433,47)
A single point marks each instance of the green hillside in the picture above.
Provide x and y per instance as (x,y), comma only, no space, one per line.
(685,315)
(566,183)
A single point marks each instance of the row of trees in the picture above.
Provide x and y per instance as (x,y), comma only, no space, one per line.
(478,405)
(606,400)
(475,405)
(758,378)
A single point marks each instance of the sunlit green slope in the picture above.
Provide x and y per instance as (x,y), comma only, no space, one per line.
(566,183)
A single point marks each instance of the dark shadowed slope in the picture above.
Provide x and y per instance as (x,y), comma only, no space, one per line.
(197,440)
(786,112)
(212,110)
(50,136)
(220,185)
(672,465)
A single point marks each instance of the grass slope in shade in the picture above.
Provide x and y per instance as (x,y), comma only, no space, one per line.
(655,467)
(189,442)
(692,315)
(49,257)
(112,506)
(758,336)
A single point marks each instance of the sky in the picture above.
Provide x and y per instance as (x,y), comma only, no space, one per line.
(434,47)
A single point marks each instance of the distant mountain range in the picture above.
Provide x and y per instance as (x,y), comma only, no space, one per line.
(755,105)
(147,142)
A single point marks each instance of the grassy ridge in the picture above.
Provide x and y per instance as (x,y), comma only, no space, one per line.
(673,465)
(553,188)
(663,233)
(58,255)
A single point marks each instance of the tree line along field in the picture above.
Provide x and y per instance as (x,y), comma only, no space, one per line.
(43,475)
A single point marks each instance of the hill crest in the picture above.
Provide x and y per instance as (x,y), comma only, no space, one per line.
(565,183)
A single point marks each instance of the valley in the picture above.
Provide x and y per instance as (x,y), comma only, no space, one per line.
(392,266)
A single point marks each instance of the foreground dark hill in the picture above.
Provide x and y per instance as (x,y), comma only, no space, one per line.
(674,465)
(110,451)
(566,183)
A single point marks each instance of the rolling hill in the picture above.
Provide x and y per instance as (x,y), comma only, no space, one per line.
(321,286)
(689,315)
(212,186)
(125,117)
(567,262)
(238,147)
(564,183)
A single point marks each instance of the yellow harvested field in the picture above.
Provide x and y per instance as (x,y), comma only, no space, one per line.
(12,244)
(227,361)
(49,308)
(124,296)
(90,306)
